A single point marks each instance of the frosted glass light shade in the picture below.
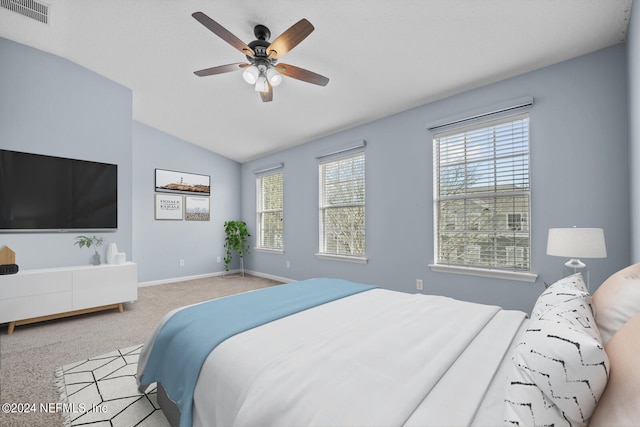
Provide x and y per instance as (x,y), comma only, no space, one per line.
(261,84)
(274,77)
(250,74)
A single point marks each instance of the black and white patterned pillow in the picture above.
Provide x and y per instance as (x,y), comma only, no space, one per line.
(559,369)
(565,292)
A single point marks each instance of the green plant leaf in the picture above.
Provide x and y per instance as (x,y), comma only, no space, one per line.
(236,240)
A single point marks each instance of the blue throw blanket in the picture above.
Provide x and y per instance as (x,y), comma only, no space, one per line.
(186,339)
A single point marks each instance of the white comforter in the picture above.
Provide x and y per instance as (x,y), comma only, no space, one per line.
(378,358)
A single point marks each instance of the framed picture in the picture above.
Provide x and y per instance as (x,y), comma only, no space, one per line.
(168,206)
(196,208)
(182,182)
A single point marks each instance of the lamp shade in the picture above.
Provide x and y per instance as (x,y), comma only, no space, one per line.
(576,242)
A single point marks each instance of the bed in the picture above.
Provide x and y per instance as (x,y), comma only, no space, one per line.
(329,352)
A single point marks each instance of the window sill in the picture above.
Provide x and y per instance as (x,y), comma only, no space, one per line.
(270,251)
(345,258)
(485,272)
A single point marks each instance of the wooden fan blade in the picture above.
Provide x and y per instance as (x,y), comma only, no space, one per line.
(301,74)
(289,39)
(267,96)
(221,69)
(223,33)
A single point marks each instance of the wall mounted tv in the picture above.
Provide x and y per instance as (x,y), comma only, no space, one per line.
(46,193)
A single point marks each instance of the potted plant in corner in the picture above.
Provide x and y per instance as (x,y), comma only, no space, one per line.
(236,240)
(94,241)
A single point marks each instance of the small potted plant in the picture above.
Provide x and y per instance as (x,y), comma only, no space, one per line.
(94,242)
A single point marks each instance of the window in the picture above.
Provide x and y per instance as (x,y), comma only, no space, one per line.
(342,208)
(270,210)
(482,195)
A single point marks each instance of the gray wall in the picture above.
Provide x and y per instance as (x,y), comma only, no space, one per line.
(579,149)
(49,105)
(633,58)
(580,132)
(159,245)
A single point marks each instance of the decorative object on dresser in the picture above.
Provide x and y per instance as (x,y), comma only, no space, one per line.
(112,250)
(94,241)
(120,258)
(7,261)
(44,294)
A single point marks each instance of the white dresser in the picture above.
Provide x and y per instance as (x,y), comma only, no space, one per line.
(50,293)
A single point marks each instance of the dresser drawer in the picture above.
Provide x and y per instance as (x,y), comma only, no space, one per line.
(34,306)
(35,282)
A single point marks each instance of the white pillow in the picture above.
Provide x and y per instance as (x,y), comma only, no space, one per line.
(559,370)
(617,300)
(579,316)
(564,292)
(620,403)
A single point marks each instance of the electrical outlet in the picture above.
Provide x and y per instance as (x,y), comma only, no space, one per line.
(218,259)
(288,264)
(419,284)
(181,263)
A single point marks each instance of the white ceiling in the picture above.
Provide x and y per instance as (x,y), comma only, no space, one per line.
(382,57)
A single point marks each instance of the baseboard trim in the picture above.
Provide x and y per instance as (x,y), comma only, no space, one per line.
(269,276)
(183,278)
(218,273)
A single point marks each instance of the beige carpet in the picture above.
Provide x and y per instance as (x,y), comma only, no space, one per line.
(29,357)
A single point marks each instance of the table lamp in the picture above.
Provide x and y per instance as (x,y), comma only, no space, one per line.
(575,243)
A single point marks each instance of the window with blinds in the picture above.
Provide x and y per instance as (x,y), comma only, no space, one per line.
(482,195)
(270,211)
(342,207)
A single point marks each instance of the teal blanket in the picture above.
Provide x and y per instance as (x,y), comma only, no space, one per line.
(186,339)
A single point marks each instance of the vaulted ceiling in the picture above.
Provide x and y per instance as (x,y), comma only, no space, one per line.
(381,56)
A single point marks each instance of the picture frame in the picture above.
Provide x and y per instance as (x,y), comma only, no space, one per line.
(197,208)
(168,207)
(167,181)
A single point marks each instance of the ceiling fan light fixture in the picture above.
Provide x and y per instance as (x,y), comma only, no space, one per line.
(274,77)
(262,85)
(251,74)
(261,71)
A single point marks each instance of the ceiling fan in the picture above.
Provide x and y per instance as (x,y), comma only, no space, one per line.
(262,71)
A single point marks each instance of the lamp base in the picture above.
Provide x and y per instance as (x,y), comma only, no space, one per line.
(575,263)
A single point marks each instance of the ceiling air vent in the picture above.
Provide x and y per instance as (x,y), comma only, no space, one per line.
(29,8)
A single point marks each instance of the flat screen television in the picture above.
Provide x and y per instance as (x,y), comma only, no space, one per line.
(47,193)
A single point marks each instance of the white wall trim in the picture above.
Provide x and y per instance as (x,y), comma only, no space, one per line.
(218,273)
(520,276)
(183,278)
(345,258)
(270,276)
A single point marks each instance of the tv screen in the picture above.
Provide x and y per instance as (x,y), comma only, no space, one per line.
(39,192)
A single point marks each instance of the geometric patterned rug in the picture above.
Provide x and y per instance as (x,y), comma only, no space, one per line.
(102,392)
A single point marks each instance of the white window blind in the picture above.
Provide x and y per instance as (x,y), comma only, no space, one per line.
(342,205)
(482,195)
(270,210)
